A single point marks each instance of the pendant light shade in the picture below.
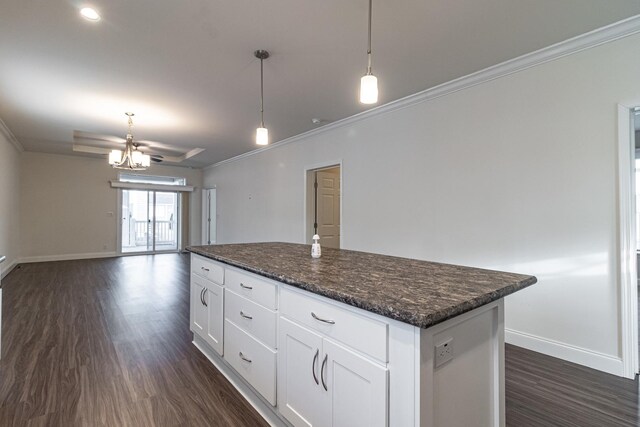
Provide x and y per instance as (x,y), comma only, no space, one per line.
(262,136)
(262,133)
(369,89)
(369,82)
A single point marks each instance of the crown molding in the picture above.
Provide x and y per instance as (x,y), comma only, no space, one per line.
(4,130)
(609,33)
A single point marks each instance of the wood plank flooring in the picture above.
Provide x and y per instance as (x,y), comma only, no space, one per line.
(107,342)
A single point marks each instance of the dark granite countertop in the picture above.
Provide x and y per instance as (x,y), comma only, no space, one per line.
(420,293)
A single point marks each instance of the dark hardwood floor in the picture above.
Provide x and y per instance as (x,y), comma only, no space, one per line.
(107,342)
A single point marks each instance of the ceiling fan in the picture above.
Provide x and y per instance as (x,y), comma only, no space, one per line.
(131,156)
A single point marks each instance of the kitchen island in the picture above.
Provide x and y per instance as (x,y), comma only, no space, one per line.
(353,338)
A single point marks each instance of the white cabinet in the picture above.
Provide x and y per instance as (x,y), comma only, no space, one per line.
(301,397)
(251,359)
(305,360)
(357,387)
(207,303)
(322,383)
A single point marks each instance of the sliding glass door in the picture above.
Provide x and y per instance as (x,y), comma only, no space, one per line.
(149,221)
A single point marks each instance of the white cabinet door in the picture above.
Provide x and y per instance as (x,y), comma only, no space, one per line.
(214,302)
(301,398)
(198,307)
(357,388)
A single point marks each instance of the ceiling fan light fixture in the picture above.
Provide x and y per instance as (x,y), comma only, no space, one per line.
(262,136)
(115,156)
(131,158)
(90,14)
(136,156)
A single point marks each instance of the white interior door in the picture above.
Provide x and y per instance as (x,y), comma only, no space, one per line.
(328,207)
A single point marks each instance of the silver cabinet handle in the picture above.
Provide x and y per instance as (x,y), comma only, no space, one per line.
(204,292)
(331,322)
(205,269)
(324,362)
(244,358)
(313,367)
(201,297)
(245,316)
(242,285)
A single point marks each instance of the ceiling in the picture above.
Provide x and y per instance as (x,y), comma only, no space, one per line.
(187,70)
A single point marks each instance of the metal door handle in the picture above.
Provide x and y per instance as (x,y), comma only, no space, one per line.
(324,362)
(244,358)
(331,322)
(204,292)
(245,316)
(242,285)
(313,367)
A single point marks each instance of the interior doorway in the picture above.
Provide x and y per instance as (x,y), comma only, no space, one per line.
(627,243)
(324,205)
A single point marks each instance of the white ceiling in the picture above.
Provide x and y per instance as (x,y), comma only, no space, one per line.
(186,68)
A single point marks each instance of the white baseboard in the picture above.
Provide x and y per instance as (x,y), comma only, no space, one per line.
(66,257)
(582,356)
(7,268)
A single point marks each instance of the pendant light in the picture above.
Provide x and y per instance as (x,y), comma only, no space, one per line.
(369,82)
(262,133)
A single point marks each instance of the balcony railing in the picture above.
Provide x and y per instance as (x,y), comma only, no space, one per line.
(141,232)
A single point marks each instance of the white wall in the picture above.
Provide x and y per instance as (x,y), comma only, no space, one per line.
(518,173)
(9,203)
(65,201)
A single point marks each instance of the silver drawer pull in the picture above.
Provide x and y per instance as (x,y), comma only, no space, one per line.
(331,322)
(245,316)
(205,269)
(244,358)
(242,285)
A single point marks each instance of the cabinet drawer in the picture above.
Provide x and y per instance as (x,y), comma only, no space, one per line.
(253,288)
(207,268)
(356,331)
(252,318)
(251,359)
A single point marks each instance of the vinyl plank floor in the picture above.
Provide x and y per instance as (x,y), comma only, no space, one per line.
(107,343)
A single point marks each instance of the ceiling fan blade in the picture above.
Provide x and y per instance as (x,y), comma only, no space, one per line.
(91,150)
(78,134)
(156,144)
(155,159)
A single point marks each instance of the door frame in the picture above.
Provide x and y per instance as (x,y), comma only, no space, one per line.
(627,247)
(152,252)
(306,212)
(206,224)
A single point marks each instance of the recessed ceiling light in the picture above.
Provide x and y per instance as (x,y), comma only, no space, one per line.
(89,14)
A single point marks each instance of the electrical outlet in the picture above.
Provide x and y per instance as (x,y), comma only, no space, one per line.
(444,352)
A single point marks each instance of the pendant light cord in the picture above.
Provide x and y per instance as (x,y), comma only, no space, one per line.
(261,95)
(369,45)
